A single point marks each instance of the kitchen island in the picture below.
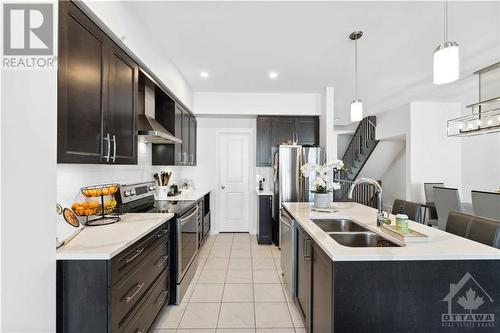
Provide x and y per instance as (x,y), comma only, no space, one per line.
(444,285)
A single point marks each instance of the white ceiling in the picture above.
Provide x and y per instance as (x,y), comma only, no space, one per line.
(307,43)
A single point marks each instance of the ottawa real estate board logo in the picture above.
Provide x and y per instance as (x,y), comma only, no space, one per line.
(469,305)
(28,36)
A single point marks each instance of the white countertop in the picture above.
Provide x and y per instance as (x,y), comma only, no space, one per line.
(442,246)
(106,241)
(189,195)
(264,192)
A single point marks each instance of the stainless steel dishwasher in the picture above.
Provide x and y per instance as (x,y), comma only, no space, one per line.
(288,256)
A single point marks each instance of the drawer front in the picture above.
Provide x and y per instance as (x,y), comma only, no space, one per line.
(142,319)
(122,264)
(126,293)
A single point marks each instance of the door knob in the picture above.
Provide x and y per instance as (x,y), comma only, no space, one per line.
(223,187)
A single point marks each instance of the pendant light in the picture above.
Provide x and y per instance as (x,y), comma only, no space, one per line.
(446,57)
(356,104)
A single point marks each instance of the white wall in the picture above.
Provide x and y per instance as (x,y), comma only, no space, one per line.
(28,194)
(394,180)
(256,104)
(138,39)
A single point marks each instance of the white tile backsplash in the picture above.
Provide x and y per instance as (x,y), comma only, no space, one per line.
(72,177)
(266,173)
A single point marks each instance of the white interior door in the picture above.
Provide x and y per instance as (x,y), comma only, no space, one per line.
(234,182)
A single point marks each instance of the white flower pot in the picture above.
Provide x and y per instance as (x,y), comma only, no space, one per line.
(322,200)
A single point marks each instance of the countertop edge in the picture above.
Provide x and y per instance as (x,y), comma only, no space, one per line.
(375,257)
(81,255)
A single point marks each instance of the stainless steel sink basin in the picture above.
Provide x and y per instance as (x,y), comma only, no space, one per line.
(338,225)
(361,239)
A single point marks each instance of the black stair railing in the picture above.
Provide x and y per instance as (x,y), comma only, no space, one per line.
(358,151)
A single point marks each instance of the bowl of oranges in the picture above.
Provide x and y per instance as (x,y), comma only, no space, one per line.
(100,190)
(85,208)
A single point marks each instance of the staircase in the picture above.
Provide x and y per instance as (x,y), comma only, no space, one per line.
(359,149)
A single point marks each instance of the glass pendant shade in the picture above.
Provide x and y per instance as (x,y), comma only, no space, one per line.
(356,110)
(446,63)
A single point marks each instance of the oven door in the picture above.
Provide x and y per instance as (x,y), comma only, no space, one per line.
(187,241)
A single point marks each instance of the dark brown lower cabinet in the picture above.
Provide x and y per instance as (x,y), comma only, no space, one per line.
(304,273)
(322,291)
(123,294)
(314,285)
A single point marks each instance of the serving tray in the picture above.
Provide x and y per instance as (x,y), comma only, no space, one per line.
(412,236)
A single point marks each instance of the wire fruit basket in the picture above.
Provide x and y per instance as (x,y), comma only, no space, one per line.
(101,211)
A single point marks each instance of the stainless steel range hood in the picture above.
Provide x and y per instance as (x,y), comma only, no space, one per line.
(151,131)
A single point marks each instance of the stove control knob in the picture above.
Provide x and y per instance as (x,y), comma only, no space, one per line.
(151,188)
(127,193)
(132,193)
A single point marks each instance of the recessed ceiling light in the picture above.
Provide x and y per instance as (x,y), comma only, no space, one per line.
(204,74)
(273,75)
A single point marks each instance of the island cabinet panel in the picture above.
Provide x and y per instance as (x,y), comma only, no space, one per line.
(322,291)
(304,272)
(123,294)
(416,296)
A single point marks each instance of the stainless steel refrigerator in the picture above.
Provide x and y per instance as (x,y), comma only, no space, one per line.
(289,185)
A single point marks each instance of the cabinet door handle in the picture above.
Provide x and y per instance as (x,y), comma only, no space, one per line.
(138,288)
(108,150)
(137,253)
(160,301)
(161,233)
(161,261)
(307,251)
(114,148)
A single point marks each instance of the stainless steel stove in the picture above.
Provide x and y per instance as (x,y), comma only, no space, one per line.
(139,198)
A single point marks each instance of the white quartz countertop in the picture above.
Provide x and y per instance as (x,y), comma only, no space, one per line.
(189,195)
(264,192)
(442,246)
(106,241)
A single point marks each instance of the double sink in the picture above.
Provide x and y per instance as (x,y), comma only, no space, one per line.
(349,233)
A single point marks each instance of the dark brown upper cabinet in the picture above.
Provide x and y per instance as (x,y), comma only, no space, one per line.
(97,94)
(275,130)
(181,123)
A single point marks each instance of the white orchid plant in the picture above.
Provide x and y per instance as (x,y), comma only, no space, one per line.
(324,181)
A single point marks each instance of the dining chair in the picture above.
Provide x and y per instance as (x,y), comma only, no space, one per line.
(446,199)
(429,200)
(411,209)
(486,204)
(473,227)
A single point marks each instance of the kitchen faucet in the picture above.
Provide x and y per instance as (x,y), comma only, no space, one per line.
(378,188)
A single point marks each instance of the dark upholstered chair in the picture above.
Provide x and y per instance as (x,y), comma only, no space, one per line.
(411,209)
(476,228)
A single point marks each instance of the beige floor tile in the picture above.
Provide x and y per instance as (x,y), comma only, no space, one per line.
(204,252)
(241,254)
(236,330)
(197,330)
(238,293)
(240,263)
(264,253)
(263,263)
(275,330)
(241,246)
(236,315)
(222,246)
(224,254)
(212,276)
(300,330)
(200,315)
(208,293)
(268,293)
(189,292)
(239,276)
(217,263)
(265,276)
(170,316)
(163,330)
(296,315)
(272,315)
